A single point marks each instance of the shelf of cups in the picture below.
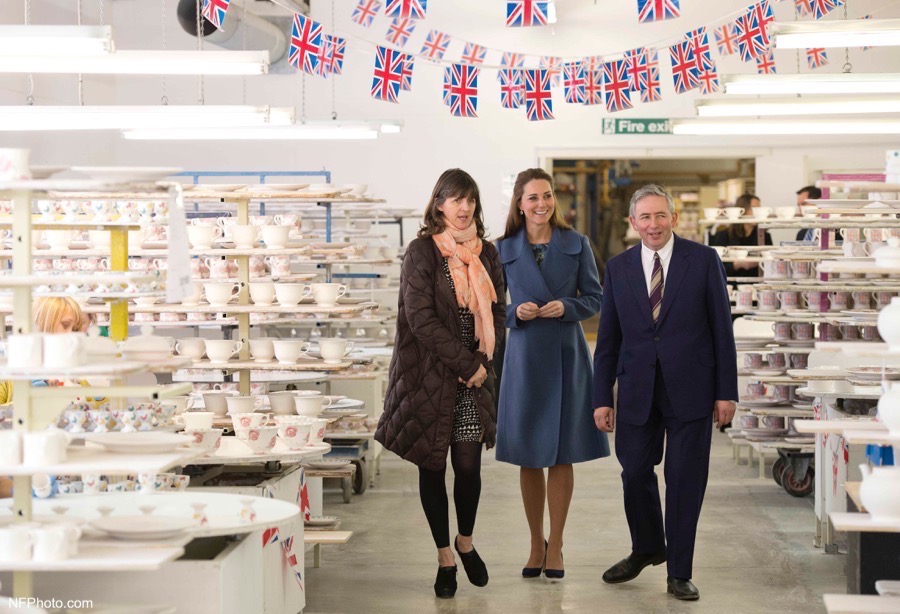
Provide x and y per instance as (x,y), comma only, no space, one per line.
(233,451)
(71,277)
(103,557)
(347,261)
(812,318)
(292,278)
(830,224)
(864,523)
(43,224)
(724,221)
(215,376)
(831,286)
(294,197)
(92,458)
(836,266)
(302,309)
(305,365)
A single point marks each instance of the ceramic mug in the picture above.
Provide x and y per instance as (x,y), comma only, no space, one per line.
(790,301)
(767,300)
(744,299)
(756,389)
(282,403)
(861,299)
(802,330)
(777,360)
(748,422)
(802,269)
(244,235)
(240,404)
(839,301)
(334,349)
(214,401)
(849,332)
(773,422)
(799,361)
(828,332)
(817,301)
(262,349)
(753,360)
(275,237)
(782,331)
(288,351)
(192,347)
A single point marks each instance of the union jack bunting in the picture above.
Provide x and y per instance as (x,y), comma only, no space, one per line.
(365,12)
(448,79)
(435,45)
(820,8)
(804,7)
(538,102)
(763,15)
(473,54)
(512,88)
(573,82)
(326,52)
(405,9)
(700,44)
(463,90)
(593,86)
(726,39)
(592,62)
(752,31)
(520,13)
(636,68)
(512,60)
(336,60)
(388,74)
(306,39)
(684,67)
(765,63)
(653,91)
(709,81)
(270,536)
(400,30)
(406,83)
(552,65)
(657,10)
(616,86)
(287,547)
(303,497)
(214,11)
(816,57)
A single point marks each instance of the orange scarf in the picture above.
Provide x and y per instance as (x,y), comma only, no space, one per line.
(474,288)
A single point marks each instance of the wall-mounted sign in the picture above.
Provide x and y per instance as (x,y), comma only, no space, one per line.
(613,125)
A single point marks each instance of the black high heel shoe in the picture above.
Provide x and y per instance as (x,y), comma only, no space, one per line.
(555,574)
(475,568)
(445,583)
(534,572)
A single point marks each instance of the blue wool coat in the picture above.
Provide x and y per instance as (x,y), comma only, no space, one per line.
(545,416)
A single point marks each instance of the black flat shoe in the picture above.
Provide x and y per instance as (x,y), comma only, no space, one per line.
(629,567)
(555,574)
(474,566)
(682,589)
(445,583)
(534,572)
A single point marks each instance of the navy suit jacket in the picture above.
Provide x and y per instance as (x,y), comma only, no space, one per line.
(693,341)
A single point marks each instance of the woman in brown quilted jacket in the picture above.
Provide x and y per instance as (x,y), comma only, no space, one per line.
(440,395)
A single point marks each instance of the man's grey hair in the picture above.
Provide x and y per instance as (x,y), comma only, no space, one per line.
(651,189)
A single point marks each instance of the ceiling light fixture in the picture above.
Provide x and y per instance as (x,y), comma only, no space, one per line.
(853,33)
(55,40)
(143,63)
(309,131)
(45,118)
(796,106)
(833,83)
(786,127)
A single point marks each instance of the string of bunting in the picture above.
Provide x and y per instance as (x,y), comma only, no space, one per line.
(609,80)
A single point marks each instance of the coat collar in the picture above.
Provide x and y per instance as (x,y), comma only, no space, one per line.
(562,254)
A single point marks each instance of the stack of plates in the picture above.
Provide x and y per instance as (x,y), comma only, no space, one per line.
(874,374)
(142,527)
(751,343)
(321,521)
(763,433)
(760,402)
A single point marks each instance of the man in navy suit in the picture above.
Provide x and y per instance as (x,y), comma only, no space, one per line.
(666,335)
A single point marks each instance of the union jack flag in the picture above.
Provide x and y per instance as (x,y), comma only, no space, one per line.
(709,81)
(463,90)
(400,30)
(388,74)
(573,82)
(538,103)
(700,44)
(636,67)
(405,9)
(816,57)
(473,54)
(752,31)
(552,65)
(592,62)
(726,38)
(303,498)
(765,63)
(448,79)
(820,8)
(615,83)
(406,84)
(306,39)
(214,11)
(326,52)
(512,88)
(287,547)
(521,13)
(270,536)
(593,86)
(512,60)
(653,91)
(435,45)
(336,60)
(684,67)
(365,12)
(804,7)
(657,10)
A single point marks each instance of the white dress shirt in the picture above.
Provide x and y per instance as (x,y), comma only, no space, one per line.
(665,257)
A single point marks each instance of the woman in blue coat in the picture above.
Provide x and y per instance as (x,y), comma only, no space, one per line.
(545,418)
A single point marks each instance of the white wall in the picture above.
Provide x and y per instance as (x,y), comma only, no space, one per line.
(403,168)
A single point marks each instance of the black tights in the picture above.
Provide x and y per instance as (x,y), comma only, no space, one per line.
(466,459)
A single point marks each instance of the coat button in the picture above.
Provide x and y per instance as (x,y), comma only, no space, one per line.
(656,338)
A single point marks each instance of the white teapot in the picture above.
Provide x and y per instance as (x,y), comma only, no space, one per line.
(880,491)
(889,324)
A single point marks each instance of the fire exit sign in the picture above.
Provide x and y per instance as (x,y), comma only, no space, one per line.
(612,125)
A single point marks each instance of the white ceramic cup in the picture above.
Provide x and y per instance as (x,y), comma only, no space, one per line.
(44,448)
(290,294)
(240,404)
(327,295)
(262,292)
(202,237)
(192,347)
(275,237)
(15,543)
(334,349)
(219,293)
(294,436)
(14,164)
(222,350)
(198,420)
(310,405)
(244,236)
(761,213)
(64,350)
(214,401)
(261,439)
(194,294)
(317,431)
(25,351)
(262,349)
(249,420)
(288,351)
(733,213)
(282,403)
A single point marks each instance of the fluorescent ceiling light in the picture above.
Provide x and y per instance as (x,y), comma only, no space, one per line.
(391,127)
(832,83)
(796,106)
(31,118)
(144,63)
(55,40)
(757,127)
(855,33)
(320,131)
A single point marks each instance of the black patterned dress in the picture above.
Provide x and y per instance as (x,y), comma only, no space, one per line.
(466,422)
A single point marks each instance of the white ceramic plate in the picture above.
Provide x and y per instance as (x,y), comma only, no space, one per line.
(218,187)
(761,402)
(328,463)
(799,343)
(126,173)
(321,521)
(767,372)
(345,404)
(765,432)
(873,373)
(142,527)
(139,443)
(800,440)
(337,411)
(802,314)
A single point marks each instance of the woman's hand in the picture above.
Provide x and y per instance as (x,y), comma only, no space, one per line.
(527,311)
(478,379)
(553,309)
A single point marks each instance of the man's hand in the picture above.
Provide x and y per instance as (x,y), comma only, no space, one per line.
(527,311)
(605,419)
(553,309)
(478,379)
(723,412)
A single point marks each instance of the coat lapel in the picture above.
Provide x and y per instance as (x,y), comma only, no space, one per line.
(634,270)
(519,260)
(561,261)
(677,268)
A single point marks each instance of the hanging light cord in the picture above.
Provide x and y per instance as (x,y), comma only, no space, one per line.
(848,67)
(164,99)
(199,48)
(29,95)
(333,78)
(80,76)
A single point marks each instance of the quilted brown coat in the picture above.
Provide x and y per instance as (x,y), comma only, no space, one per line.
(429,357)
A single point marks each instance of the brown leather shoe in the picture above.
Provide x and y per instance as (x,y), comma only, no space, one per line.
(682,589)
(629,567)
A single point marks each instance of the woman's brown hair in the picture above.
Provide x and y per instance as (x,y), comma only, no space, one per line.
(453,183)
(515,221)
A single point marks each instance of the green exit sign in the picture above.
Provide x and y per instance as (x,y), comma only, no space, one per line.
(612,125)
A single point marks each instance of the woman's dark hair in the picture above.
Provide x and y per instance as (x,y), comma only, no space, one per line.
(737,231)
(453,183)
(514,220)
